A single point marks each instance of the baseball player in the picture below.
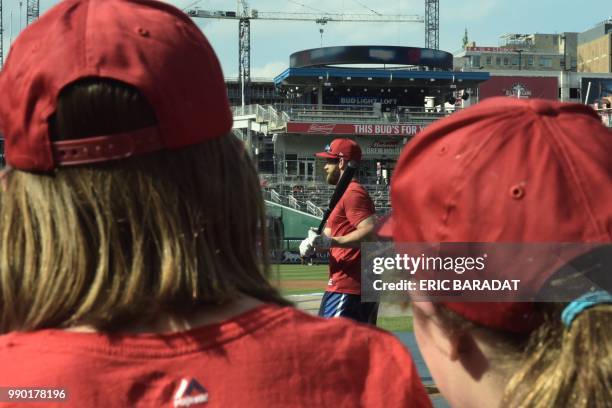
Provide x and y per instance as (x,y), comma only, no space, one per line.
(350,223)
(132,259)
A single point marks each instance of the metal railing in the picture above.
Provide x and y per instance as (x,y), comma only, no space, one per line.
(324,108)
(244,110)
(278,115)
(253,79)
(260,112)
(275,119)
(312,197)
(274,196)
(315,113)
(268,179)
(294,203)
(314,209)
(362,114)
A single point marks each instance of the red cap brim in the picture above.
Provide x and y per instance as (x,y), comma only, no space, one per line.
(327,155)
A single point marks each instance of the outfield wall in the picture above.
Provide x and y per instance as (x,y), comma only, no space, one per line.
(295,223)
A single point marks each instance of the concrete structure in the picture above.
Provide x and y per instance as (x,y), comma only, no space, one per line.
(518,52)
(263,91)
(595,49)
(379,96)
(379,108)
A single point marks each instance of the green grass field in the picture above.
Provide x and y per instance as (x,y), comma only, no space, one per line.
(300,279)
(300,272)
(395,323)
(304,279)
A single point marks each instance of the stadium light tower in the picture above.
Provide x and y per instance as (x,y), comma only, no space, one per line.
(432,24)
(244,15)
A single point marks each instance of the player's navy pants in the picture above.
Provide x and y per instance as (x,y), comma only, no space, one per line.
(334,304)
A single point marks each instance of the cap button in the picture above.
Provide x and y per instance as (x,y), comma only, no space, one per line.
(543,108)
(143,31)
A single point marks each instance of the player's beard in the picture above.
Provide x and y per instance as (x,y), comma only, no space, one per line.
(333,177)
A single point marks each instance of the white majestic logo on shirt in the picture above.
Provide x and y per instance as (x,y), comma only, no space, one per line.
(190,392)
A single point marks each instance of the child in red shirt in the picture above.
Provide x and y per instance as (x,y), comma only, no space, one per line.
(131,269)
(525,172)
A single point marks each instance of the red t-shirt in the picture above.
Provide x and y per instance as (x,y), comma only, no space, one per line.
(345,263)
(271,356)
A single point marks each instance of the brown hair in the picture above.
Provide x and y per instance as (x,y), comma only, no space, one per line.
(118,243)
(554,365)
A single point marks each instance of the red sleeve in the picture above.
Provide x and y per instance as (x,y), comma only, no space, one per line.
(393,378)
(358,206)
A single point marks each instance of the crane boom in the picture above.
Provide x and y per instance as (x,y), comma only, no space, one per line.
(244,15)
(272,15)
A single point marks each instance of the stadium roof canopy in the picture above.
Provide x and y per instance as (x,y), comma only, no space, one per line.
(377,77)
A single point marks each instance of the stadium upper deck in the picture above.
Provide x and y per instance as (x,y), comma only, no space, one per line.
(380,96)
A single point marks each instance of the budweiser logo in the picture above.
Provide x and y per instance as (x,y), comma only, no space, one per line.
(321,128)
(517,90)
(385,144)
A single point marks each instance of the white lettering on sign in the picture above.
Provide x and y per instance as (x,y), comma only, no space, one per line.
(365,129)
(372,151)
(366,100)
(403,130)
(321,128)
(518,90)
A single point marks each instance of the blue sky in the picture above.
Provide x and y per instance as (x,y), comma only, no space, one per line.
(273,41)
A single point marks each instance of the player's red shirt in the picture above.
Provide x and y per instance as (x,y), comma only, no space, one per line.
(271,356)
(345,263)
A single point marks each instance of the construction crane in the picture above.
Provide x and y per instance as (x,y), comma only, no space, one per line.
(1,36)
(432,24)
(32,11)
(244,15)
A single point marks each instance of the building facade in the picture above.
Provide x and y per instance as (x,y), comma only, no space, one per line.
(518,52)
(595,49)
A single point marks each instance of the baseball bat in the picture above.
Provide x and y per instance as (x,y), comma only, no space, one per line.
(341,187)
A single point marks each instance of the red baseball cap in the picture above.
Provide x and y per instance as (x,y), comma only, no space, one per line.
(506,170)
(342,148)
(150,45)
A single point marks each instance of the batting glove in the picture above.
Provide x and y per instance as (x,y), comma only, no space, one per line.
(320,242)
(306,248)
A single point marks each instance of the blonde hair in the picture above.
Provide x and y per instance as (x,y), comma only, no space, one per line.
(118,243)
(554,365)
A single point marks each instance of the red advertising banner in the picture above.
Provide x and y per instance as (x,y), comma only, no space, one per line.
(523,87)
(400,129)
